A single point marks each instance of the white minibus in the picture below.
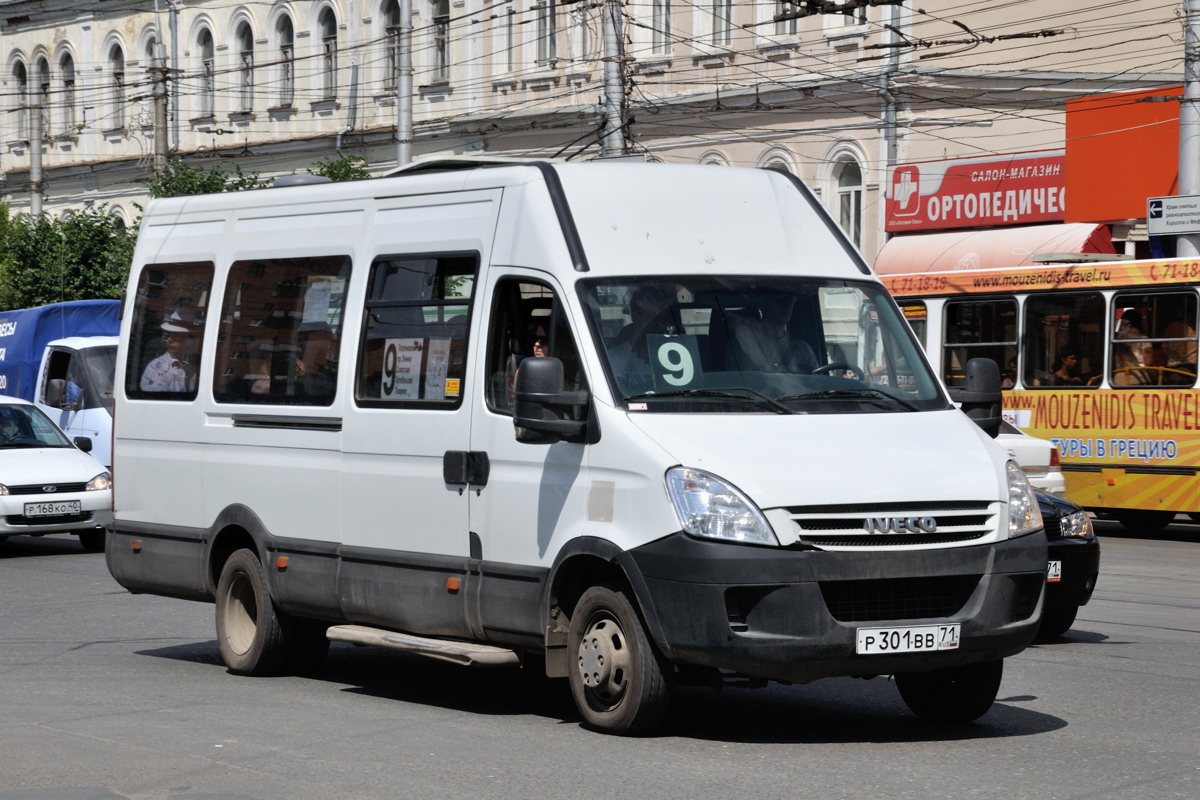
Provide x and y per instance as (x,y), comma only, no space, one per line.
(630,424)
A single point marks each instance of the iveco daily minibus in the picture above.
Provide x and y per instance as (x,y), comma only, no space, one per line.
(637,424)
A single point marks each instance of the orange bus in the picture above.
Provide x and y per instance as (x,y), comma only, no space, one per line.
(1099,357)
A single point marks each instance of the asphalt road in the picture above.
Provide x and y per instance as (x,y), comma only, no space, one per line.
(107,695)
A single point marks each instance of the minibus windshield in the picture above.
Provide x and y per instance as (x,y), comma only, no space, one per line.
(776,345)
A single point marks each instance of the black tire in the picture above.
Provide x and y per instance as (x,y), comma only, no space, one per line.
(1145,521)
(1056,622)
(954,694)
(250,633)
(92,541)
(619,682)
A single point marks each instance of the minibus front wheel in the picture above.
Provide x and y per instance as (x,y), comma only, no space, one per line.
(619,682)
(953,694)
(250,632)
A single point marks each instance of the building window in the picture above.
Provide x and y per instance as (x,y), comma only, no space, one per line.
(66,72)
(287,60)
(789,25)
(547,33)
(21,109)
(853,17)
(116,65)
(391,56)
(329,45)
(441,40)
(578,44)
(722,22)
(850,200)
(510,40)
(660,24)
(245,40)
(43,107)
(208,74)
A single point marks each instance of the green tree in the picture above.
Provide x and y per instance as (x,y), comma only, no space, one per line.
(79,256)
(346,168)
(178,179)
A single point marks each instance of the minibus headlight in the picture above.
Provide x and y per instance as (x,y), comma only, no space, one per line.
(100,483)
(1024,516)
(1077,526)
(711,508)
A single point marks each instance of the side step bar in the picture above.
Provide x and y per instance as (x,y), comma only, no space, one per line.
(466,654)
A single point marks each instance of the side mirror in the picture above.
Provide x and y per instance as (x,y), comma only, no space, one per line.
(541,407)
(980,398)
(84,443)
(55,388)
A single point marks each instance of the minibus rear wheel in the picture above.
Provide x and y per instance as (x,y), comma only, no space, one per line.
(250,632)
(953,694)
(619,682)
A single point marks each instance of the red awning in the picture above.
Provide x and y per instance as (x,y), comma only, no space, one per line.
(995,248)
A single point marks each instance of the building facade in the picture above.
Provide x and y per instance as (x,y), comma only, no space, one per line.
(833,92)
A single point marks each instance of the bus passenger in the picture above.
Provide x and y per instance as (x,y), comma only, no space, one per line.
(1065,369)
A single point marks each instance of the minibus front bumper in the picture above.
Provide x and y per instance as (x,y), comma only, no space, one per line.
(794,614)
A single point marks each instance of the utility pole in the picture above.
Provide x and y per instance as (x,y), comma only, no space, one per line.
(1188,245)
(35,158)
(612,142)
(160,108)
(404,87)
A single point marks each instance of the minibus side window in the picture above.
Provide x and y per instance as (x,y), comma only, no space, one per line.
(978,329)
(170,309)
(1064,341)
(414,335)
(281,331)
(1154,339)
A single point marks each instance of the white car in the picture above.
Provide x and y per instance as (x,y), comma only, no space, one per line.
(1038,458)
(49,484)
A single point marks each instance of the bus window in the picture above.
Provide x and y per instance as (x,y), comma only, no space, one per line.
(1063,344)
(1154,339)
(918,319)
(978,329)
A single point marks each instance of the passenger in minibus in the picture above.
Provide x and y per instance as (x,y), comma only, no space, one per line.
(764,342)
(629,352)
(315,375)
(538,347)
(170,372)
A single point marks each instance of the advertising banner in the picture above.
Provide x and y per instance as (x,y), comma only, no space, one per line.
(1014,189)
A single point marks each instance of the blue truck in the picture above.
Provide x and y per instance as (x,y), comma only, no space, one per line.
(62,357)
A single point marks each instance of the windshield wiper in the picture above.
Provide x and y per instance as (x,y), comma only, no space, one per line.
(881,399)
(731,393)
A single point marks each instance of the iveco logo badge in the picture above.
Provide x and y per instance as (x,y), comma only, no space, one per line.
(49,489)
(901,525)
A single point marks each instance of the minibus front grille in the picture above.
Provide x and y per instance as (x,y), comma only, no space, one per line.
(911,540)
(891,599)
(895,524)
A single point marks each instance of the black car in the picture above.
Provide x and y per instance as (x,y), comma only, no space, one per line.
(1074,563)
